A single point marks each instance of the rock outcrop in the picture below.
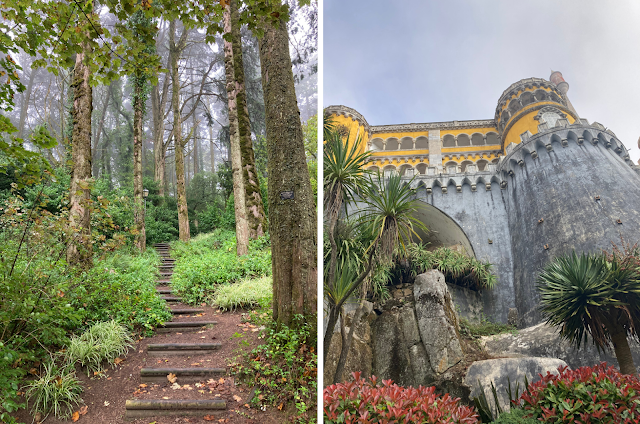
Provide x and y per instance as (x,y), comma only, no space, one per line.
(544,341)
(504,371)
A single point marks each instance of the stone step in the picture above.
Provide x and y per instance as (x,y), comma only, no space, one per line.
(181,349)
(159,375)
(172,299)
(163,281)
(164,290)
(179,311)
(138,408)
(183,326)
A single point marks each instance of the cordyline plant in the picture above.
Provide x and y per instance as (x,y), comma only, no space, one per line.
(595,295)
(599,394)
(367,401)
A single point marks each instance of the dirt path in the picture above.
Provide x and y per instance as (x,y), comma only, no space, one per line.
(106,397)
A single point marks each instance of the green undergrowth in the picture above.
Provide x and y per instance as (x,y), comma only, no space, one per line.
(245,294)
(284,369)
(209,261)
(44,303)
(484,327)
(122,288)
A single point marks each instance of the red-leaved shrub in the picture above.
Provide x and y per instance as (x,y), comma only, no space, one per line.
(598,394)
(368,402)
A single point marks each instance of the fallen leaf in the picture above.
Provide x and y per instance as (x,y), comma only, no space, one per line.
(221,381)
(172,378)
(209,418)
(175,386)
(106,403)
(118,361)
(83,410)
(281,406)
(165,397)
(75,416)
(237,398)
(143,385)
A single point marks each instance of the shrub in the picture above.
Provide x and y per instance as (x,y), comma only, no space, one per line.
(285,368)
(250,292)
(121,287)
(10,374)
(585,395)
(484,327)
(457,267)
(362,401)
(103,342)
(57,390)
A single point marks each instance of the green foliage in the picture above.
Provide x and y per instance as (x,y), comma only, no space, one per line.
(244,294)
(368,401)
(284,369)
(515,416)
(122,288)
(458,268)
(585,395)
(475,330)
(10,374)
(56,391)
(592,295)
(210,260)
(102,342)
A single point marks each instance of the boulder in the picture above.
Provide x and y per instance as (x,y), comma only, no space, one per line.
(437,321)
(544,341)
(468,303)
(504,370)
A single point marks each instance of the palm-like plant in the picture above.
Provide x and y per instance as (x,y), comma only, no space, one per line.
(388,212)
(594,295)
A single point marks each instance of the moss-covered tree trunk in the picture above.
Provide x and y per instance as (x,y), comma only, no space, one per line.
(138,201)
(242,226)
(292,211)
(79,250)
(181,192)
(253,198)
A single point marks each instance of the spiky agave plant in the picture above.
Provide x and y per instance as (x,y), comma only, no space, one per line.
(588,295)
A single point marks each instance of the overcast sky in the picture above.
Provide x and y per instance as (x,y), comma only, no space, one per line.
(424,61)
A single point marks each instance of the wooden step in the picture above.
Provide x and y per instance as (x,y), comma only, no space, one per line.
(181,349)
(163,281)
(171,299)
(164,290)
(179,311)
(183,326)
(137,408)
(159,375)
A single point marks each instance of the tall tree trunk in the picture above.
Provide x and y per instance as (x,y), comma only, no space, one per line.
(138,201)
(256,220)
(292,210)
(25,104)
(181,193)
(242,226)
(97,153)
(79,251)
(212,150)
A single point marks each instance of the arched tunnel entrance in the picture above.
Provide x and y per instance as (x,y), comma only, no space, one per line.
(443,230)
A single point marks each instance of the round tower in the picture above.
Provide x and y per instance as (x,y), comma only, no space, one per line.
(570,186)
(529,106)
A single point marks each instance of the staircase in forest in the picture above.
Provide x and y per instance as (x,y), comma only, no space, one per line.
(138,408)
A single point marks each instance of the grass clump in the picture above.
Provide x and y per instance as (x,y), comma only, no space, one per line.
(57,391)
(247,293)
(484,327)
(103,342)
